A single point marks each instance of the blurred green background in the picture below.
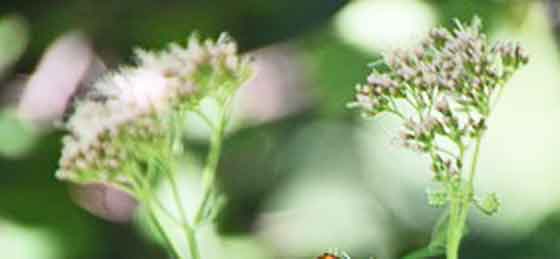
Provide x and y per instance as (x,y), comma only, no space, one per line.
(302,174)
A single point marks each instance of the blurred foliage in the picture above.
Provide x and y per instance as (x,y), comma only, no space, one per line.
(115,26)
(13,40)
(542,244)
(17,137)
(336,67)
(258,160)
(255,170)
(553,7)
(30,195)
(492,12)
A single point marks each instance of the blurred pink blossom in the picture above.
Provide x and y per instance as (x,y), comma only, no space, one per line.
(56,79)
(279,86)
(105,201)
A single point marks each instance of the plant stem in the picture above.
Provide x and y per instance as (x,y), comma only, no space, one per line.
(159,228)
(190,235)
(453,236)
(176,145)
(193,243)
(470,183)
(145,196)
(209,173)
(460,205)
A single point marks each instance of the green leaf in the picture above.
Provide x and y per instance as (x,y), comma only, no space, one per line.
(16,136)
(13,40)
(425,252)
(437,245)
(490,205)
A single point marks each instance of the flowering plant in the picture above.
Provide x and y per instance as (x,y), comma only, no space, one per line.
(127,130)
(450,83)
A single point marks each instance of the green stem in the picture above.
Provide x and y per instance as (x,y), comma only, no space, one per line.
(176,144)
(460,205)
(209,173)
(470,183)
(142,192)
(453,234)
(193,243)
(146,196)
(159,228)
(205,118)
(398,114)
(190,235)
(151,196)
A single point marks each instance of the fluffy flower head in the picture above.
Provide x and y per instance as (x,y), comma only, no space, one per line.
(450,81)
(125,119)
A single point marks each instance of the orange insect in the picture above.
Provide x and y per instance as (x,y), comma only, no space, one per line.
(328,256)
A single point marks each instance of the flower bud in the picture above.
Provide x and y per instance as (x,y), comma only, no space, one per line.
(443,106)
(437,199)
(522,54)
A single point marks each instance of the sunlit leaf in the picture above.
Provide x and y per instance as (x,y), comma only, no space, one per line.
(16,137)
(13,40)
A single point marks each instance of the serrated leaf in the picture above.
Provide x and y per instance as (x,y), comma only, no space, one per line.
(490,205)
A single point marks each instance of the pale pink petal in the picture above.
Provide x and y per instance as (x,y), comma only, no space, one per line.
(278,87)
(105,201)
(56,78)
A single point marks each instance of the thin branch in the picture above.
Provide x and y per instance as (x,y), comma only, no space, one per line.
(204,118)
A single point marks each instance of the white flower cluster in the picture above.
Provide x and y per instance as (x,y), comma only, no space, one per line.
(450,81)
(444,91)
(203,68)
(460,63)
(125,117)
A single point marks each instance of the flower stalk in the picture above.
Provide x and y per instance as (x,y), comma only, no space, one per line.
(127,132)
(212,160)
(451,82)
